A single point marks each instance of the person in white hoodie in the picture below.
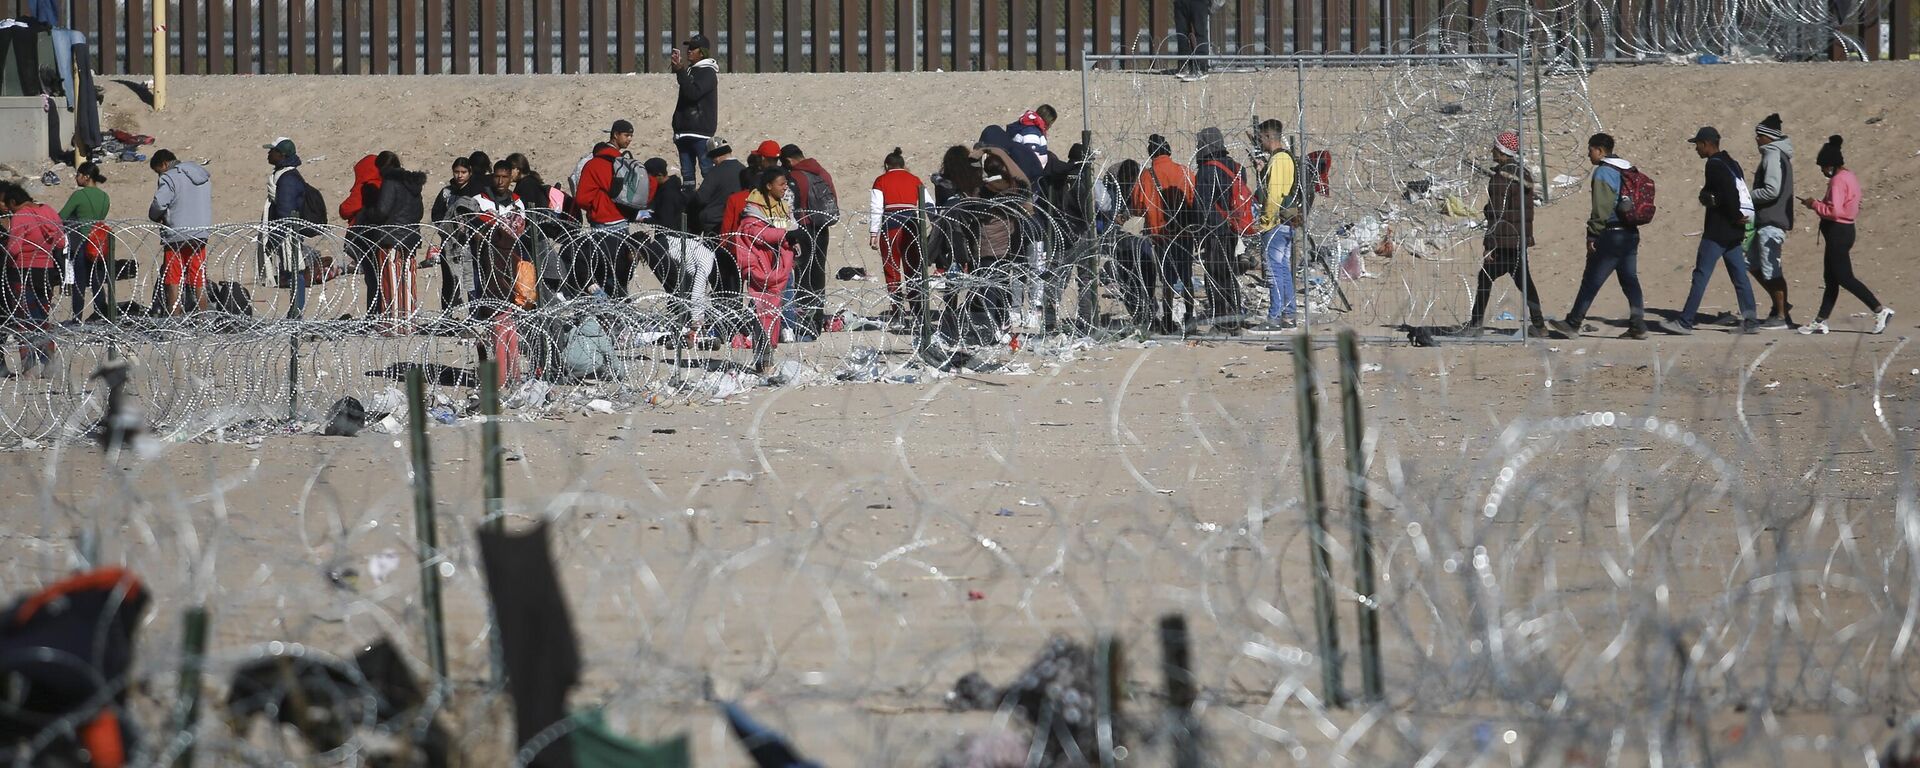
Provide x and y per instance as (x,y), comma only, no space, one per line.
(183,201)
(1613,246)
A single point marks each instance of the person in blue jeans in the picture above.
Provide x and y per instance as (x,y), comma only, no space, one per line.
(1728,207)
(1613,247)
(1280,210)
(696,112)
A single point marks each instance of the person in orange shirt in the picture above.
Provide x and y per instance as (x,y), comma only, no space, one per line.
(1163,199)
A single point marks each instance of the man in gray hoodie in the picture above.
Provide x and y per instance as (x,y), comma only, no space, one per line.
(1772,217)
(183,202)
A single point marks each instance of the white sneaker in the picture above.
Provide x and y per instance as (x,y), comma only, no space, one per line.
(1817,326)
(1880,319)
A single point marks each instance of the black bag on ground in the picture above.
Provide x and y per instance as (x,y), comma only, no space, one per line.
(65,655)
(346,418)
(230,297)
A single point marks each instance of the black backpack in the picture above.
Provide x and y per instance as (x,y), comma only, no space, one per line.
(313,206)
(822,208)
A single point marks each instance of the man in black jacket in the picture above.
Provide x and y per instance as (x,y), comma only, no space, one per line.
(697,113)
(1727,206)
(1213,175)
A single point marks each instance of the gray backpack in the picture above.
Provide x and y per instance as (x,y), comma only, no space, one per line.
(589,351)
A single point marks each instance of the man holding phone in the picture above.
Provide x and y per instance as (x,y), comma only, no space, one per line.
(697,113)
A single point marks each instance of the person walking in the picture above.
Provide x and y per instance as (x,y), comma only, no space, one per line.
(183,202)
(608,223)
(1613,245)
(1280,211)
(1509,207)
(1772,218)
(696,113)
(1838,211)
(1163,199)
(1728,205)
(816,206)
(1215,241)
(893,204)
(286,241)
(89,242)
(35,242)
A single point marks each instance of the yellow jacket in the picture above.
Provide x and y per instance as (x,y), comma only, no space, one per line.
(1279,185)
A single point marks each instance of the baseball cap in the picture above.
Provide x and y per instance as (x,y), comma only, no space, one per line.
(283,145)
(620,126)
(1706,133)
(718,146)
(768,149)
(697,41)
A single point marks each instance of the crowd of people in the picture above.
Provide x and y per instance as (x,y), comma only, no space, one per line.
(1004,225)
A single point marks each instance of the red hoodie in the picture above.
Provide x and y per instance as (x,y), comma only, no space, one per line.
(364,173)
(596,182)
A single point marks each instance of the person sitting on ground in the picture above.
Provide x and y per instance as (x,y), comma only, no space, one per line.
(1838,212)
(89,241)
(183,201)
(1509,205)
(683,264)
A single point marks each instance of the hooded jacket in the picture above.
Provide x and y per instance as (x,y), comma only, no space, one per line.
(450,196)
(1213,183)
(760,242)
(802,192)
(697,112)
(1022,155)
(1161,173)
(1721,196)
(366,179)
(1773,186)
(286,190)
(398,209)
(594,197)
(184,202)
(719,185)
(34,235)
(1509,196)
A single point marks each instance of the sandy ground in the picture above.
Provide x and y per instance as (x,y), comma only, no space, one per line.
(840,555)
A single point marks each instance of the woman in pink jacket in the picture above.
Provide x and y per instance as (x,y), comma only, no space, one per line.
(35,244)
(1837,214)
(766,258)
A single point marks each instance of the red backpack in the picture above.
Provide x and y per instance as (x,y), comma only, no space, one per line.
(1635,208)
(1239,213)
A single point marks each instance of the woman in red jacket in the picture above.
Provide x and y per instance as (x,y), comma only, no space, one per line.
(766,258)
(35,241)
(360,246)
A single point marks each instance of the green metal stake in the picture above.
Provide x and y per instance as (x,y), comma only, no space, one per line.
(423,521)
(493,480)
(1109,664)
(1176,665)
(193,658)
(925,297)
(1361,528)
(293,378)
(1313,494)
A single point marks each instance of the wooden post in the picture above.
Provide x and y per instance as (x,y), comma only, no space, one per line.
(1303,25)
(523,31)
(1102,23)
(737,12)
(877,59)
(462,39)
(409,49)
(1333,20)
(489,37)
(1243,32)
(963,29)
(850,36)
(110,36)
(1160,25)
(822,37)
(570,35)
(1077,33)
(350,36)
(933,17)
(543,38)
(380,39)
(244,38)
(597,35)
(793,32)
(159,33)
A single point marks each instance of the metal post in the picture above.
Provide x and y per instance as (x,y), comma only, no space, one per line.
(160,56)
(493,480)
(1302,249)
(924,337)
(424,524)
(1313,495)
(1108,665)
(1540,131)
(193,659)
(1520,126)
(1360,527)
(293,375)
(1176,665)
